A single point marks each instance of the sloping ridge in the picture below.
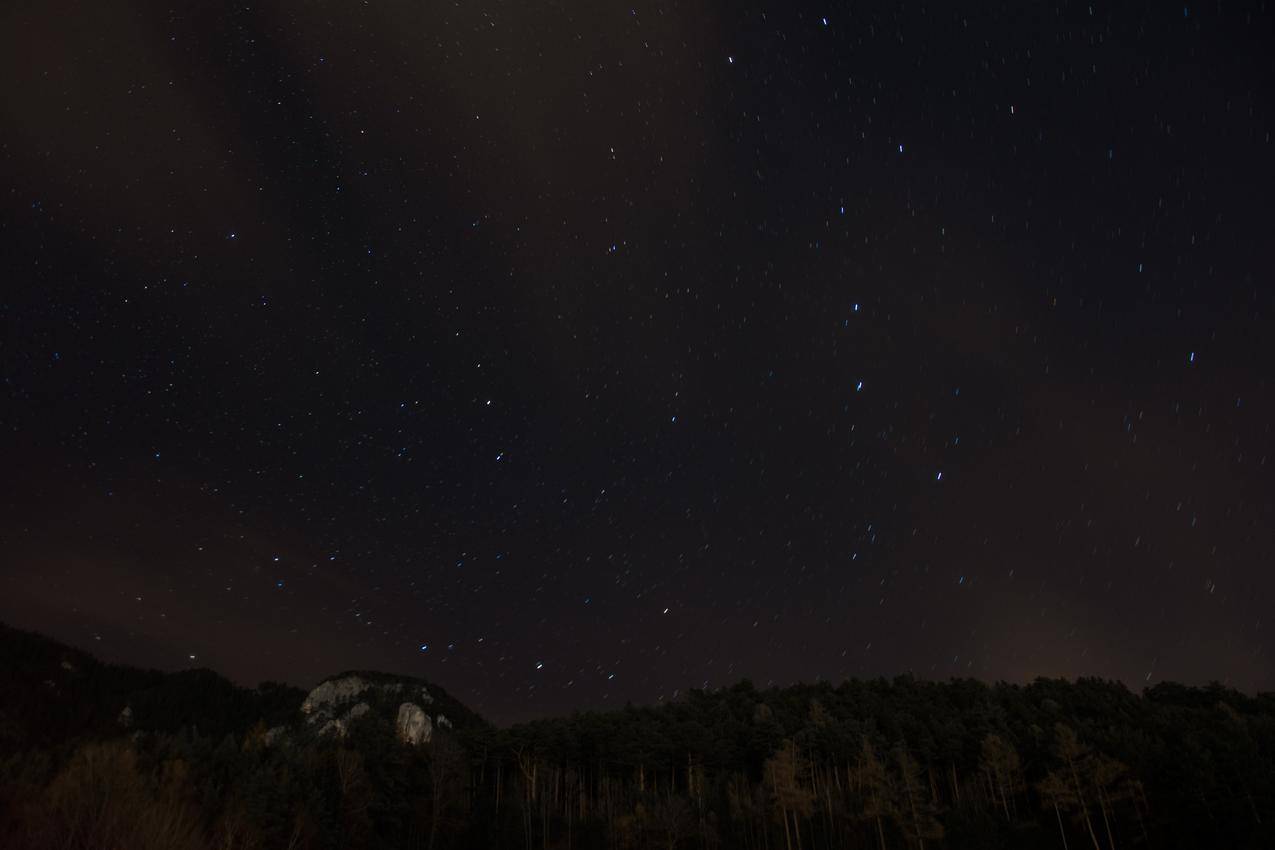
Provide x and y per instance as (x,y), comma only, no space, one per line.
(51,693)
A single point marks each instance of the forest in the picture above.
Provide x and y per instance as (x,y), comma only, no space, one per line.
(94,755)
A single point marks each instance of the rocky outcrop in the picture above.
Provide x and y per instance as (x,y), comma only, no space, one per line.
(331,694)
(335,704)
(325,706)
(341,725)
(126,717)
(414,726)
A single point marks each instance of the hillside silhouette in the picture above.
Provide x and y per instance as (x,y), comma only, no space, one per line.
(95,755)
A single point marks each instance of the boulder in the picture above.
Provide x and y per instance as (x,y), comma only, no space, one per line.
(413,725)
(332,693)
(341,725)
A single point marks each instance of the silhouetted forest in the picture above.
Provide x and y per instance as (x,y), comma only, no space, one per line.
(102,756)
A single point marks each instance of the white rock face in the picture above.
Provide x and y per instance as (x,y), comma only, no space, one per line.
(325,707)
(341,725)
(327,696)
(414,726)
(443,722)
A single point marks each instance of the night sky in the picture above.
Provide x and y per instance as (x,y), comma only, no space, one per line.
(574,353)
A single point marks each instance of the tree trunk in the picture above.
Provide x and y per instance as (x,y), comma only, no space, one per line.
(1061,831)
(916,818)
(1102,803)
(1251,805)
(1084,809)
(1204,802)
(1139,802)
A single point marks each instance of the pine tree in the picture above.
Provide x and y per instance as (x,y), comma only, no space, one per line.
(1000,764)
(914,808)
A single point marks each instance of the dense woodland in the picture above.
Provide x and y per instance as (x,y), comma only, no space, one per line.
(200,763)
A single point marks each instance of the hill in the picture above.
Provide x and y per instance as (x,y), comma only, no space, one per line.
(373,760)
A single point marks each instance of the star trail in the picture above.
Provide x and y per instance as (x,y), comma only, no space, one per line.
(577,354)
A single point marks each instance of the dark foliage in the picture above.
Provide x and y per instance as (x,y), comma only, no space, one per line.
(876,764)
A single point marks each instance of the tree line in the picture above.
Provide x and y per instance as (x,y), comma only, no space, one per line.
(881,764)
